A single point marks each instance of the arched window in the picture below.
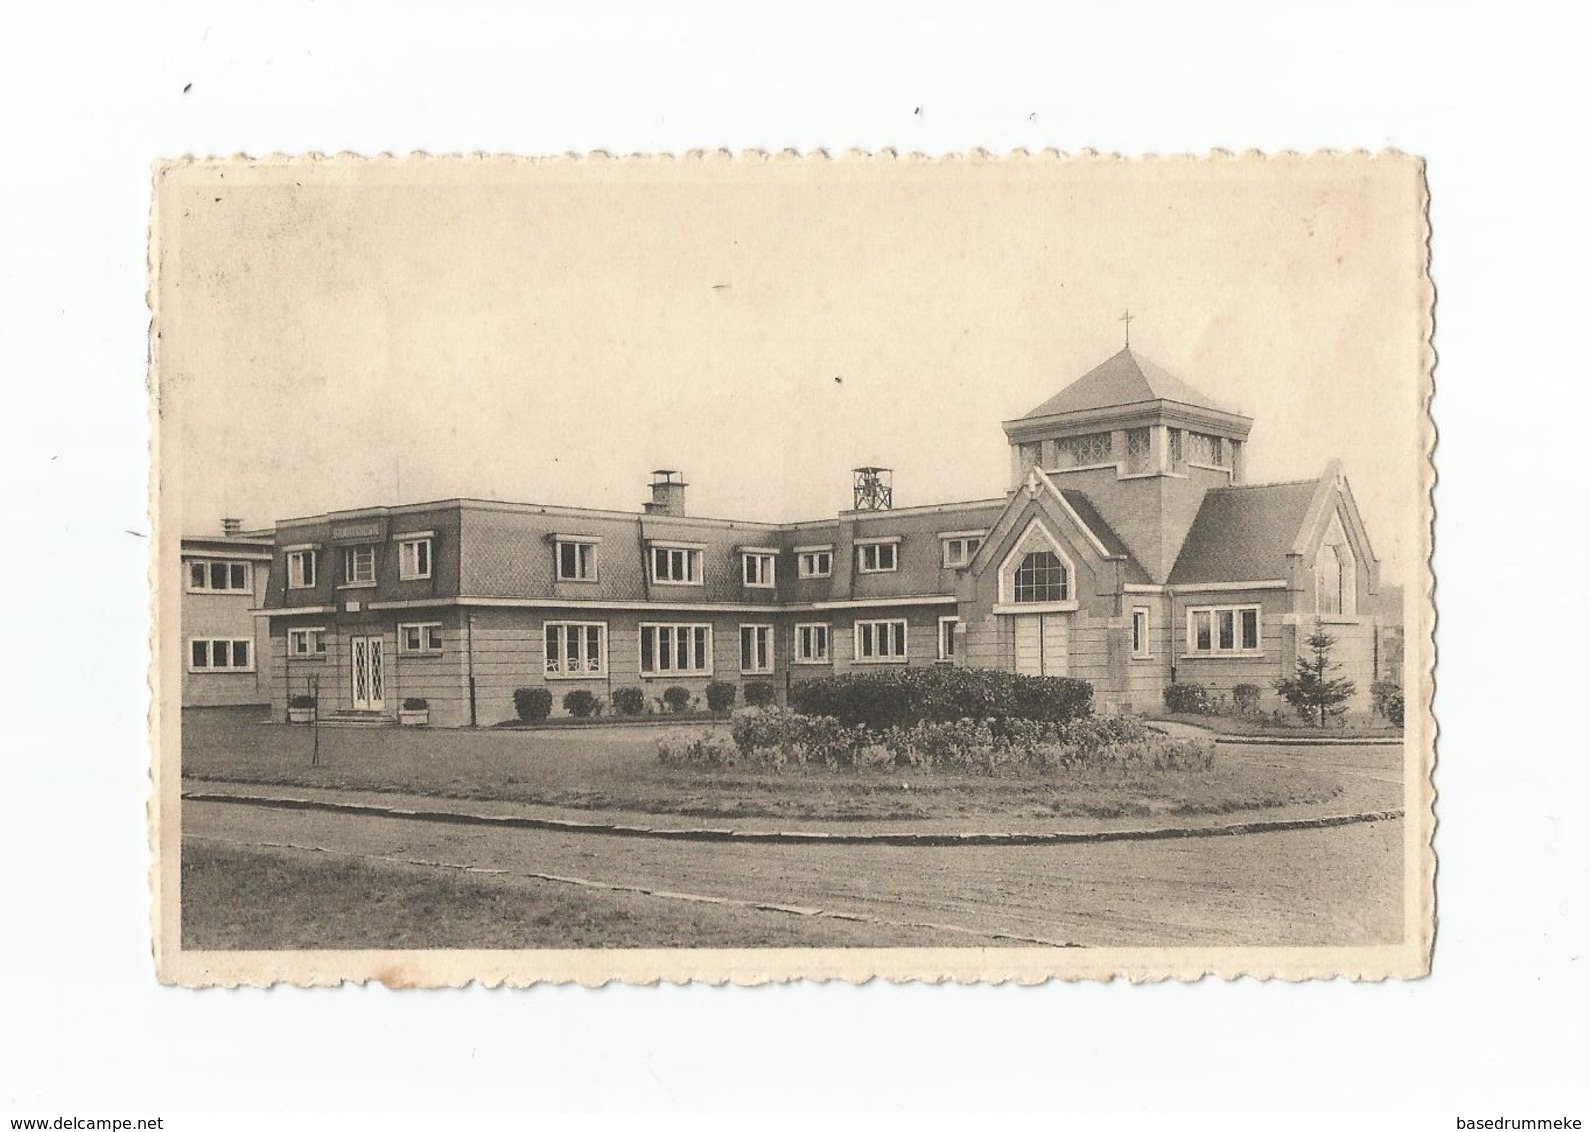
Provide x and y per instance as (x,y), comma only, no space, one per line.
(1336,578)
(1041,577)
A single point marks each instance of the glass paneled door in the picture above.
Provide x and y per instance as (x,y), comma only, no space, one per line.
(369,674)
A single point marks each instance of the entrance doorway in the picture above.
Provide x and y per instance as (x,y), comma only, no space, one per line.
(369,675)
(1041,644)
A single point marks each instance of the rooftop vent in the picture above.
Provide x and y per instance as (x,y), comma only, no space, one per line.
(668,493)
(873,488)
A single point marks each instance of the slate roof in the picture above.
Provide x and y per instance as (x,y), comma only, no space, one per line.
(1095,522)
(1125,378)
(1243,534)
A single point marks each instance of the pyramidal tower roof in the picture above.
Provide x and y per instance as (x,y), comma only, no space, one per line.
(1124,378)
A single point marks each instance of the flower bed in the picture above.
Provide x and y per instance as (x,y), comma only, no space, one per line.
(775,739)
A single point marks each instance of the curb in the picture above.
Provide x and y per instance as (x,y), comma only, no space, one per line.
(1314,741)
(795,837)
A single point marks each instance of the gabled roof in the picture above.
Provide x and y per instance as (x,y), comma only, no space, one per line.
(1125,378)
(1095,522)
(1244,534)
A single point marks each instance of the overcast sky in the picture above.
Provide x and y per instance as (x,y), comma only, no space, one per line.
(336,338)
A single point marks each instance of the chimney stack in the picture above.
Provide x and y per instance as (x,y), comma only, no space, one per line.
(231,528)
(668,493)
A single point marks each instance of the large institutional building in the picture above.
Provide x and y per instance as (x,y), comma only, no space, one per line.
(1128,550)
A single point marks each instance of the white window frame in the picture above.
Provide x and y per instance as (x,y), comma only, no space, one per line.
(1237,648)
(759,633)
(209,644)
(299,578)
(965,544)
(1139,639)
(691,557)
(351,562)
(810,633)
(876,548)
(206,584)
(763,576)
(585,551)
(651,668)
(427,636)
(809,561)
(557,664)
(314,636)
(869,631)
(947,637)
(410,548)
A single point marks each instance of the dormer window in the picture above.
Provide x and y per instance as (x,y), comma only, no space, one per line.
(757,569)
(1085,451)
(959,547)
(814,561)
(676,565)
(414,558)
(1041,577)
(577,561)
(876,557)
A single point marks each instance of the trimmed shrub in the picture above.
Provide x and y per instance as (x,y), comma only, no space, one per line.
(532,704)
(580,703)
(720,695)
(1188,699)
(629,701)
(677,698)
(909,696)
(1387,697)
(1246,698)
(302,700)
(416,703)
(760,694)
(709,750)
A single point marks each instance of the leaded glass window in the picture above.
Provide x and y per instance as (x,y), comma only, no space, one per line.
(1041,577)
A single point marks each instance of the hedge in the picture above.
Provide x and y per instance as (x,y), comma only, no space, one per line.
(905,697)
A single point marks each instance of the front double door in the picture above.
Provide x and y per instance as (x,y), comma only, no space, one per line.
(367,657)
(1041,643)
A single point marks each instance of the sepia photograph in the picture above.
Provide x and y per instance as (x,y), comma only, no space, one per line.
(754,567)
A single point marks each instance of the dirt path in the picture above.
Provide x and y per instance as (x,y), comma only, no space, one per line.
(1338,886)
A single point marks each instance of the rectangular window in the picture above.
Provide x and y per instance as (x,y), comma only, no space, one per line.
(1206,450)
(231,655)
(1085,451)
(577,561)
(1174,452)
(676,565)
(1140,631)
(306,642)
(414,559)
(875,557)
(1224,629)
(300,569)
(757,570)
(1139,446)
(576,648)
(220,577)
(947,637)
(880,641)
(815,564)
(1030,455)
(422,637)
(682,649)
(812,644)
(959,549)
(756,648)
(359,565)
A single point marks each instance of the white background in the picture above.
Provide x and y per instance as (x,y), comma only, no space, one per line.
(1496,99)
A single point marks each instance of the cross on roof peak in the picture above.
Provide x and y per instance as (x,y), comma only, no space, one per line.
(1126,320)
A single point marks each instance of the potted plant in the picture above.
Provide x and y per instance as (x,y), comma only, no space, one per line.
(416,712)
(301,709)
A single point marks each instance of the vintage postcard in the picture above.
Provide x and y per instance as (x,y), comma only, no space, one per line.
(755,567)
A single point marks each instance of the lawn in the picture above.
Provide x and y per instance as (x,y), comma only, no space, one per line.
(1353,726)
(616,769)
(270,899)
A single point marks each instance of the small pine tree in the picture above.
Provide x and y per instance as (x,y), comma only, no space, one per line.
(1313,693)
